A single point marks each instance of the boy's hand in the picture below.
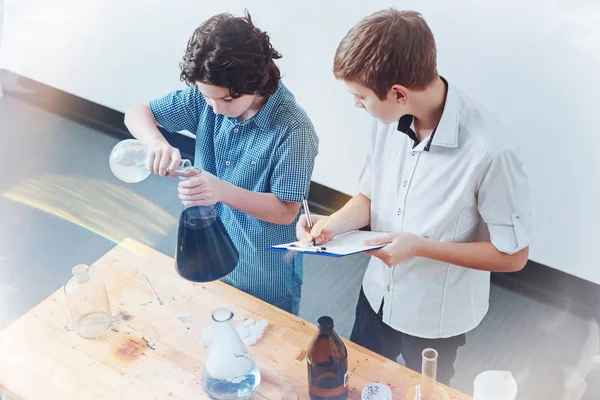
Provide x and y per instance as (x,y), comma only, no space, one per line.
(204,190)
(322,230)
(163,157)
(398,247)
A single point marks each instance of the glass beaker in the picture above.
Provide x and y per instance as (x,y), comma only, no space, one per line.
(88,302)
(428,389)
(229,371)
(204,250)
(127,161)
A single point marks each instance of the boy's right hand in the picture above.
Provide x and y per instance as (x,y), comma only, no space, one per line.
(163,157)
(322,230)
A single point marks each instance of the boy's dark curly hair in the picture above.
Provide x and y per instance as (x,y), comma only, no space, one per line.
(231,52)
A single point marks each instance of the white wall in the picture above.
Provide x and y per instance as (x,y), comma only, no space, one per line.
(535,63)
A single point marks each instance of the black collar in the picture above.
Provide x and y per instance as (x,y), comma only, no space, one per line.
(406,121)
(404,126)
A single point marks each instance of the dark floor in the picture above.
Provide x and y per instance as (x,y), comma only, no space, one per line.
(60,206)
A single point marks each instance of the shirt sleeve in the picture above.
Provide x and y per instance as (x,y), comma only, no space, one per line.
(290,180)
(366,176)
(179,110)
(503,202)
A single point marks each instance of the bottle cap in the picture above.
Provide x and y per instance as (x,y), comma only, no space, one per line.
(376,391)
(325,322)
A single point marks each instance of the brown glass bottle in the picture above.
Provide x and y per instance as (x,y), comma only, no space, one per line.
(327,364)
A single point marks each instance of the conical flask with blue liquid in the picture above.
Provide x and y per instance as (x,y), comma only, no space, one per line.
(205,251)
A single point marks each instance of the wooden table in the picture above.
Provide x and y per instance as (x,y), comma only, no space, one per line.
(157,352)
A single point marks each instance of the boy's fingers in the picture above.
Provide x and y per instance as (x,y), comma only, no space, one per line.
(150,162)
(302,230)
(156,164)
(305,238)
(191,183)
(319,240)
(385,239)
(301,225)
(317,229)
(173,166)
(164,164)
(302,220)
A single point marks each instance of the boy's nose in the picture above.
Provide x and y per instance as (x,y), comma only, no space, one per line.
(217,109)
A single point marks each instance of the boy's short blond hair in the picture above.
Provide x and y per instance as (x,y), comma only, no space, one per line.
(386,48)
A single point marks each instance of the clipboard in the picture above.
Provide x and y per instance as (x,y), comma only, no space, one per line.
(340,246)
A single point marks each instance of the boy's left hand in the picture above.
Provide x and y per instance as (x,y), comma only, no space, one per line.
(398,247)
(204,190)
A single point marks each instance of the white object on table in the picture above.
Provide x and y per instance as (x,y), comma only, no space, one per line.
(376,391)
(495,385)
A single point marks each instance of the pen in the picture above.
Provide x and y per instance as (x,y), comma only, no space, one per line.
(308,217)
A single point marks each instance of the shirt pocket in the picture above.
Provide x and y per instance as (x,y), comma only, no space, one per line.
(254,173)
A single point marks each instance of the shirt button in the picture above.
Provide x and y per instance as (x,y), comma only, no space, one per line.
(236,130)
(227,163)
(414,153)
(399,211)
(404,183)
(253,162)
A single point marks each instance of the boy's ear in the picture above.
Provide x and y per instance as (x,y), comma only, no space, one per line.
(399,94)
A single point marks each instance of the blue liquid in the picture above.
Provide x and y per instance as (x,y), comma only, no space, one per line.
(241,388)
(204,251)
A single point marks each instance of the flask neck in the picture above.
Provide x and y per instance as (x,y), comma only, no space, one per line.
(184,168)
(186,171)
(224,329)
(222,315)
(81,273)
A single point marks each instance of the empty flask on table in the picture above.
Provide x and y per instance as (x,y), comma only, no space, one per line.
(88,302)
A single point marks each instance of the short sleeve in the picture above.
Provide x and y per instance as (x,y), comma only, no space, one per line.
(179,110)
(366,176)
(503,202)
(290,180)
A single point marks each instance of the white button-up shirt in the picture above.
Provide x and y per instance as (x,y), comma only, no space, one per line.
(465,183)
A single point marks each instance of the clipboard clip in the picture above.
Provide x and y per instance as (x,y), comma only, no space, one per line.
(318,249)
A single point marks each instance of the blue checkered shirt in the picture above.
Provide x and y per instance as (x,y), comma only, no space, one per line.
(272,152)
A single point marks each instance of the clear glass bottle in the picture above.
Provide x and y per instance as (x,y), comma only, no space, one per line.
(229,371)
(204,250)
(88,302)
(327,360)
(127,161)
(428,389)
